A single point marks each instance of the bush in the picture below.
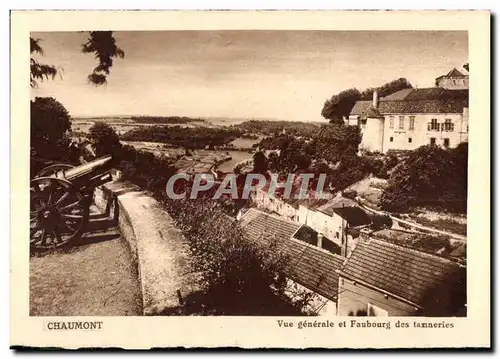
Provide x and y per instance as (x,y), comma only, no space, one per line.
(50,123)
(104,140)
(380,221)
(238,276)
(430,176)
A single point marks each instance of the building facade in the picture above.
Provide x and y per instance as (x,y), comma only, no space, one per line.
(453,80)
(411,118)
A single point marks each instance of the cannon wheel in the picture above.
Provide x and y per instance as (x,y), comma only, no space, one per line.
(53,169)
(58,212)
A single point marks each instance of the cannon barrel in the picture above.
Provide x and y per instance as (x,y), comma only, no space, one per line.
(88,175)
(87,168)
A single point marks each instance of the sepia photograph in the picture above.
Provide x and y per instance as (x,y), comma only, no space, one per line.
(312,176)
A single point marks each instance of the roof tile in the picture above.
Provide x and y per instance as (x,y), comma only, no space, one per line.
(402,271)
(312,267)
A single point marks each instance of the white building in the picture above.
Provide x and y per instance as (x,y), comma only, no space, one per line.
(330,218)
(411,118)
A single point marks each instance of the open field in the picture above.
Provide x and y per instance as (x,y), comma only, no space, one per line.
(246,142)
(123,125)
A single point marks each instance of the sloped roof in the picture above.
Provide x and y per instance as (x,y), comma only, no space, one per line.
(257,223)
(437,93)
(360,107)
(354,216)
(311,203)
(454,73)
(372,112)
(424,100)
(337,202)
(399,95)
(423,106)
(312,267)
(404,272)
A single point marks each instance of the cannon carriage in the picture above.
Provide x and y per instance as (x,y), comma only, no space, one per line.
(60,199)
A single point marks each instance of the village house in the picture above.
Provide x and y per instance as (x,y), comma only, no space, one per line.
(377,278)
(329,217)
(453,80)
(384,279)
(410,118)
(312,269)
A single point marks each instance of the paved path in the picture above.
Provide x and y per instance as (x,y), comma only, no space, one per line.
(95,276)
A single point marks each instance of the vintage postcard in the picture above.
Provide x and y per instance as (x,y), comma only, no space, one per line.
(251,179)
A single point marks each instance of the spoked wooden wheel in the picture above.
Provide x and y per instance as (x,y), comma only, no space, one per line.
(53,170)
(58,212)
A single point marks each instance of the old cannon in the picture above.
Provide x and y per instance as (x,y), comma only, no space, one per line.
(60,199)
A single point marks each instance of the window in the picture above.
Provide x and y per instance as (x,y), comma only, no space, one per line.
(391,139)
(401,122)
(337,235)
(409,140)
(374,311)
(448,125)
(446,142)
(433,140)
(433,125)
(391,121)
(412,123)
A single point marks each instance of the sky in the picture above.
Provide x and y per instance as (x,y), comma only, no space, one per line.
(285,75)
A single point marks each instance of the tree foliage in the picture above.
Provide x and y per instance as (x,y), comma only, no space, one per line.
(104,139)
(101,43)
(332,150)
(260,162)
(50,122)
(192,138)
(430,177)
(38,71)
(387,89)
(238,275)
(341,104)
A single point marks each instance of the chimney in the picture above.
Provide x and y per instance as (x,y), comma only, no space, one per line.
(375,99)
(320,240)
(364,234)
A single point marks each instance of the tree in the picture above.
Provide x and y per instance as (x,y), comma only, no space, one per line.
(104,139)
(387,88)
(273,161)
(101,43)
(380,221)
(340,105)
(50,122)
(334,142)
(39,72)
(260,164)
(430,176)
(238,276)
